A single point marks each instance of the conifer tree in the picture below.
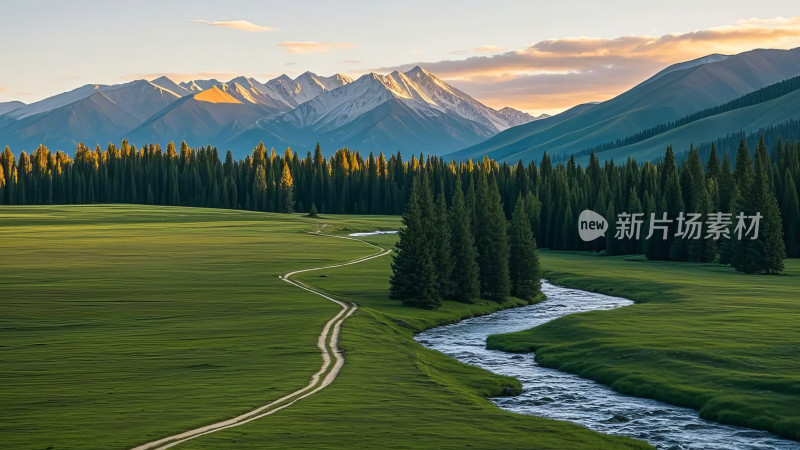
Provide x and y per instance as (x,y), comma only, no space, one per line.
(673,249)
(260,188)
(712,165)
(524,268)
(726,185)
(791,217)
(287,190)
(701,249)
(465,272)
(442,257)
(491,241)
(413,279)
(755,196)
(2,185)
(773,249)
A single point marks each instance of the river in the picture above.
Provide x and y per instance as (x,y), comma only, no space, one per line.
(558,395)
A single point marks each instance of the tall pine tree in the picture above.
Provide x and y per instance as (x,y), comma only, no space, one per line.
(523,265)
(492,241)
(791,217)
(413,279)
(465,272)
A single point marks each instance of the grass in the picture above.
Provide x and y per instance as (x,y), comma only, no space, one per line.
(394,393)
(123,323)
(700,335)
(120,324)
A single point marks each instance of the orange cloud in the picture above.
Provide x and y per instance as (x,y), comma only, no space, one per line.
(309,47)
(489,49)
(241,25)
(556,74)
(482,49)
(3,89)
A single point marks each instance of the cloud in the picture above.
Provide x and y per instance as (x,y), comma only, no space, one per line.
(555,74)
(482,49)
(489,49)
(304,48)
(3,89)
(351,61)
(181,77)
(241,25)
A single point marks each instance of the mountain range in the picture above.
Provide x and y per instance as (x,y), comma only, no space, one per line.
(415,112)
(408,112)
(676,91)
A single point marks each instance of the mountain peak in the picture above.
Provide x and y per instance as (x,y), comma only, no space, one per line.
(419,72)
(344,79)
(215,95)
(241,79)
(162,79)
(283,78)
(306,74)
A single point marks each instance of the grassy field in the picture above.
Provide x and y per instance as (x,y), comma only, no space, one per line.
(121,324)
(700,335)
(394,393)
(124,323)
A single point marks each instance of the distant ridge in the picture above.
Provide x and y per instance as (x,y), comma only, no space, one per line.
(676,91)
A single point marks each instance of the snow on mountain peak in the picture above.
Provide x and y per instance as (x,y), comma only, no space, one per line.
(215,95)
(417,88)
(303,88)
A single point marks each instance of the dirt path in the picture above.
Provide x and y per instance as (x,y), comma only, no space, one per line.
(328,344)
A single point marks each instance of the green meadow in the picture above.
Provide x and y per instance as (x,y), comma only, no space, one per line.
(394,393)
(120,324)
(700,335)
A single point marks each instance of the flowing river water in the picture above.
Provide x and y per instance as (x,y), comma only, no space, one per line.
(558,395)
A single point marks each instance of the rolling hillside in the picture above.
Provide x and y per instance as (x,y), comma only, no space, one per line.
(674,92)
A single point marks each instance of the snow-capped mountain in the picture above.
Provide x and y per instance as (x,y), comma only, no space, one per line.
(199,85)
(171,86)
(303,88)
(205,116)
(516,117)
(140,98)
(56,101)
(248,90)
(443,96)
(418,88)
(413,111)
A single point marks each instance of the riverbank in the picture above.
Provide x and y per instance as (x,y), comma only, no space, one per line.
(700,335)
(394,393)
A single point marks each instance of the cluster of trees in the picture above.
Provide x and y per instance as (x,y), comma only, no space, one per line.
(764,184)
(195,177)
(554,194)
(465,249)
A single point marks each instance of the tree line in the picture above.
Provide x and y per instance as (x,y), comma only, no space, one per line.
(554,194)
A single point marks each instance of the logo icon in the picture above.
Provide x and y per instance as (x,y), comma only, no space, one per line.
(591,225)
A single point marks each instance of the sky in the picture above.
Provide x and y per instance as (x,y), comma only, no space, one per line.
(540,57)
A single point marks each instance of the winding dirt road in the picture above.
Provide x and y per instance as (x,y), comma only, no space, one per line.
(328,343)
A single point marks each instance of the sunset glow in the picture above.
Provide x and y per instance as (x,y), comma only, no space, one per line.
(509,55)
